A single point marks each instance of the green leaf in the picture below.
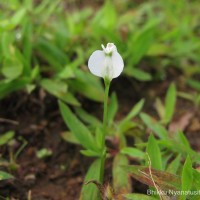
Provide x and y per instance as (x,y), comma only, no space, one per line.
(59,89)
(99,137)
(90,190)
(86,117)
(80,131)
(138,74)
(18,17)
(8,87)
(27,44)
(87,85)
(196,179)
(135,110)
(90,153)
(154,153)
(112,108)
(170,102)
(52,54)
(7,39)
(106,17)
(5,176)
(121,180)
(186,177)
(12,68)
(126,123)
(194,84)
(140,43)
(160,131)
(55,87)
(160,108)
(133,152)
(6,137)
(69,137)
(136,196)
(70,99)
(66,73)
(174,165)
(43,153)
(158,49)
(183,140)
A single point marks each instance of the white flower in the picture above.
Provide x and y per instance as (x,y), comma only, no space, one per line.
(107,63)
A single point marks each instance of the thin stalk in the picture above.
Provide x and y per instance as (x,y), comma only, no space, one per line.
(105,122)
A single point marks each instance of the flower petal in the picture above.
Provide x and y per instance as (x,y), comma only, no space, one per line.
(96,63)
(118,64)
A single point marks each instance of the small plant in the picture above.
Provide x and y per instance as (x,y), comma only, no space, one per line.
(107,64)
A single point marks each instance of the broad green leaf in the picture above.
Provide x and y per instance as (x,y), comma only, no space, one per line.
(158,129)
(133,152)
(80,131)
(121,179)
(170,102)
(112,108)
(6,137)
(5,176)
(136,196)
(90,191)
(18,17)
(154,153)
(186,177)
(12,68)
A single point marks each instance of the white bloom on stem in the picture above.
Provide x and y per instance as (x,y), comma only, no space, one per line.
(107,64)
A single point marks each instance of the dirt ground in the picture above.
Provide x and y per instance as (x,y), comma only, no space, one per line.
(37,120)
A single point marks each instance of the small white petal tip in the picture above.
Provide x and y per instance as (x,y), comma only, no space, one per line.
(110,48)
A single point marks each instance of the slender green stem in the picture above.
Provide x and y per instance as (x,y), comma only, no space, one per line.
(105,122)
